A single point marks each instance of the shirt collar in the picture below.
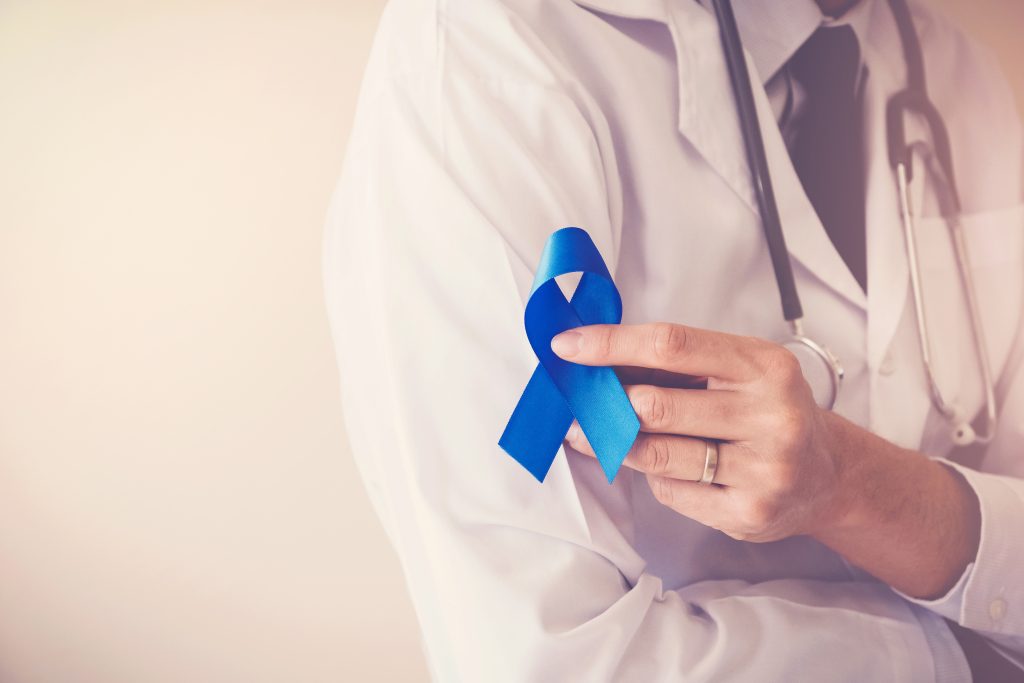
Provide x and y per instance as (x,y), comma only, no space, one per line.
(654,10)
(773,30)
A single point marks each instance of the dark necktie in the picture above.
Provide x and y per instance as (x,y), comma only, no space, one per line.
(827,148)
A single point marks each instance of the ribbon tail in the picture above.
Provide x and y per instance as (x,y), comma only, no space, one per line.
(538,425)
(607,419)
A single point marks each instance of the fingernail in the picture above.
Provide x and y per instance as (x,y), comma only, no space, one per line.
(566,344)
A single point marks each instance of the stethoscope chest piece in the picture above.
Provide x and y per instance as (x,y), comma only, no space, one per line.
(821,368)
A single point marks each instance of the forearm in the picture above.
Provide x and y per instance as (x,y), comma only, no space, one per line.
(909,521)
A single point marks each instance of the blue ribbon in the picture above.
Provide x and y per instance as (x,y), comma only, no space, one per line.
(559,389)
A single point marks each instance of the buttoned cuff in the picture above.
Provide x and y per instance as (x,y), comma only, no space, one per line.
(950,604)
(989,595)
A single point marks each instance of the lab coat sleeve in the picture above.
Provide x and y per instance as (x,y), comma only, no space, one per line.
(450,188)
(989,595)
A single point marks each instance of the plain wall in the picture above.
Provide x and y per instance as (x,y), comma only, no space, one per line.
(176,498)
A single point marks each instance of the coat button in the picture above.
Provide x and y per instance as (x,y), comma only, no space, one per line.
(997,609)
(888,365)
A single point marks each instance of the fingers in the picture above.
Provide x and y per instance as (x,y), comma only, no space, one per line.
(673,476)
(675,348)
(675,457)
(709,505)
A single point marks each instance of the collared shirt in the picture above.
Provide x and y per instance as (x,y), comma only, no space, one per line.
(482,126)
(772,32)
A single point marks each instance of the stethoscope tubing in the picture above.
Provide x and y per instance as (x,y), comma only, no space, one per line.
(963,433)
(757,159)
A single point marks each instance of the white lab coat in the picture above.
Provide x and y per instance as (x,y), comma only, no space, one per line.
(484,125)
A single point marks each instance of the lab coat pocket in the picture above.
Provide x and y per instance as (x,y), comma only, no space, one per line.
(994,243)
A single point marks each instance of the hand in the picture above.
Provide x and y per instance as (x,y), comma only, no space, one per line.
(785,466)
(779,473)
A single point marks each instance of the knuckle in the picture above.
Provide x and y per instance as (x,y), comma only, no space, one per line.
(669,341)
(784,366)
(789,426)
(601,342)
(662,489)
(784,477)
(655,458)
(783,361)
(652,405)
(740,535)
(758,515)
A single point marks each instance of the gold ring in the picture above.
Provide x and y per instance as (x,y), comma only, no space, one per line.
(710,463)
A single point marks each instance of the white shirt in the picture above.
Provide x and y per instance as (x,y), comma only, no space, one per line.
(483,126)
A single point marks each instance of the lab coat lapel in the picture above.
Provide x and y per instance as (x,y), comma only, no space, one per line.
(707,118)
(709,121)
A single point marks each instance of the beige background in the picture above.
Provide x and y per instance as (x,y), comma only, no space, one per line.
(176,500)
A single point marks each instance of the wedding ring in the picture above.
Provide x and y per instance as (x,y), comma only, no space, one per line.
(710,463)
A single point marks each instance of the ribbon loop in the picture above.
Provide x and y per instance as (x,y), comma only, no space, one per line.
(560,390)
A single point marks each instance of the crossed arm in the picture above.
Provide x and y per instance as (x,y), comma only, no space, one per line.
(786,466)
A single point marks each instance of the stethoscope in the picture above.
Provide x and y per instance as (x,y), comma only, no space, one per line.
(913,99)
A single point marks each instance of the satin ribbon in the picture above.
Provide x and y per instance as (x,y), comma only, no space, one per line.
(560,390)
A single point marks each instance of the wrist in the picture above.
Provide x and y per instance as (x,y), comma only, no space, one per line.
(910,521)
(848,506)
(876,481)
